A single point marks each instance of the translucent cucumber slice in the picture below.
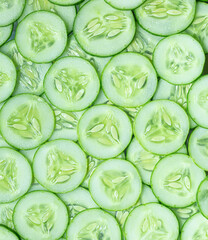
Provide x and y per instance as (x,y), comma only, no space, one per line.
(195,228)
(197,101)
(92,223)
(166,17)
(177,185)
(26,121)
(115,185)
(176,93)
(74,49)
(143,42)
(199,27)
(125,4)
(67,13)
(5,33)
(6,213)
(161,127)
(41,36)
(65,2)
(129,80)
(198,147)
(60,165)
(40,215)
(151,221)
(202,197)
(104,131)
(5,233)
(15,175)
(71,87)
(10,11)
(77,201)
(8,77)
(179,59)
(105,31)
(29,75)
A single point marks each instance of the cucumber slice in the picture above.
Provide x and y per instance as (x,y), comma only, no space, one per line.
(115,185)
(74,49)
(8,77)
(29,75)
(41,36)
(65,2)
(15,174)
(151,221)
(94,224)
(26,121)
(161,127)
(40,215)
(77,201)
(177,185)
(5,33)
(166,17)
(10,11)
(67,13)
(195,228)
(179,59)
(60,165)
(5,233)
(199,27)
(129,80)
(125,4)
(104,131)
(105,31)
(202,197)
(69,87)
(198,147)
(143,42)
(176,93)
(197,101)
(6,213)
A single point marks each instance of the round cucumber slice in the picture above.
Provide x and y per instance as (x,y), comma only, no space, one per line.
(10,11)
(202,197)
(94,224)
(40,215)
(125,4)
(129,80)
(66,13)
(5,33)
(41,36)
(199,27)
(29,75)
(8,77)
(69,87)
(26,121)
(104,131)
(177,185)
(65,2)
(77,201)
(6,213)
(161,127)
(195,228)
(60,165)
(5,233)
(197,101)
(151,221)
(179,59)
(143,42)
(166,17)
(198,147)
(15,175)
(74,49)
(115,185)
(105,31)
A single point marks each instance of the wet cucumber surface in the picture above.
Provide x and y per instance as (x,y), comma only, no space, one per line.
(103,120)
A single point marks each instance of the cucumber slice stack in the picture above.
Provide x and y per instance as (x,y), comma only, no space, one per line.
(103,120)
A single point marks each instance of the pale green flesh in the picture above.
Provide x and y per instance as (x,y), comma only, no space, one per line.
(202,197)
(166,17)
(6,213)
(199,27)
(7,234)
(29,75)
(5,33)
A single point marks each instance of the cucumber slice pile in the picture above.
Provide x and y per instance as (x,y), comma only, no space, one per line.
(103,120)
